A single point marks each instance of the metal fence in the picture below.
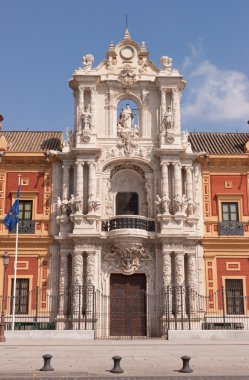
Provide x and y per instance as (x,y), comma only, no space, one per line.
(137,315)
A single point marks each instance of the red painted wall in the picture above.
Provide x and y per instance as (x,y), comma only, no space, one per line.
(36,183)
(222,271)
(218,186)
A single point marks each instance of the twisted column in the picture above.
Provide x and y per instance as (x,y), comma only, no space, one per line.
(192,280)
(77,280)
(179,282)
(90,281)
(63,283)
(167,280)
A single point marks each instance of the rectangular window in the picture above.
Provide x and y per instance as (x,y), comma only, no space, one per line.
(234,296)
(126,203)
(22,295)
(230,211)
(25,210)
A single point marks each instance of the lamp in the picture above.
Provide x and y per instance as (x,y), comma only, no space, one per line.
(2,324)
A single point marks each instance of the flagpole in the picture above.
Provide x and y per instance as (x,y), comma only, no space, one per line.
(15,264)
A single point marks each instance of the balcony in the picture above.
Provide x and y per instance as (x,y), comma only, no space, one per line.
(25,227)
(131,221)
(231,228)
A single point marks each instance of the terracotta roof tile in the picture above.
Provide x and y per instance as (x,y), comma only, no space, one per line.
(33,141)
(218,143)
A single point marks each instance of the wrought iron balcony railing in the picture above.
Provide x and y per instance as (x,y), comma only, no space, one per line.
(26,227)
(231,228)
(120,222)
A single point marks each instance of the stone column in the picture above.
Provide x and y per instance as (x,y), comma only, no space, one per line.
(77,282)
(90,282)
(177,110)
(164,181)
(167,281)
(56,186)
(163,102)
(81,98)
(177,179)
(93,102)
(65,180)
(79,179)
(192,281)
(189,183)
(63,284)
(91,182)
(179,282)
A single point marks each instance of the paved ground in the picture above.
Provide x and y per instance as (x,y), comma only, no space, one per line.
(73,359)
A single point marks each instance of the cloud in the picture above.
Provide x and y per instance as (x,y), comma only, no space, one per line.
(216,95)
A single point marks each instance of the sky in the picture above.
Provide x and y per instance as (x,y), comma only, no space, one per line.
(42,42)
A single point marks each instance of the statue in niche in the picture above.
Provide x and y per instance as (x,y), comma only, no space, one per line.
(126,131)
(86,118)
(178,203)
(165,201)
(78,203)
(58,206)
(126,117)
(168,119)
(72,204)
(64,205)
(87,62)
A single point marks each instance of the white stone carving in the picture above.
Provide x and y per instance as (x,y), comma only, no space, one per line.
(93,204)
(162,204)
(127,77)
(127,259)
(87,62)
(166,63)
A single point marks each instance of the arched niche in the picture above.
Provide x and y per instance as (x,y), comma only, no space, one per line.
(130,181)
(134,113)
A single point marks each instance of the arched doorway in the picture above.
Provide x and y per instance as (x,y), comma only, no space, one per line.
(128,305)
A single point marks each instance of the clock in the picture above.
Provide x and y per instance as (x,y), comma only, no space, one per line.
(127,52)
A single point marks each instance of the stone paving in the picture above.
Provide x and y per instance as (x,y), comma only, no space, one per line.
(160,359)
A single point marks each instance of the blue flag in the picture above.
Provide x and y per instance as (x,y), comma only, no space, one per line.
(11,219)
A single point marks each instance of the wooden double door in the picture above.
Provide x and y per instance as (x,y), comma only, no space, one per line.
(128,305)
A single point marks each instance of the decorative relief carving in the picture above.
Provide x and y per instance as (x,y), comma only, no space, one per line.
(127,77)
(90,268)
(127,259)
(179,268)
(166,269)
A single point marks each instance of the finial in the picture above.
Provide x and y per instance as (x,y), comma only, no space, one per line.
(143,46)
(111,46)
(127,33)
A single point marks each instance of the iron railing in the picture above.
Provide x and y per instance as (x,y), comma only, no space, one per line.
(144,315)
(121,222)
(25,227)
(231,228)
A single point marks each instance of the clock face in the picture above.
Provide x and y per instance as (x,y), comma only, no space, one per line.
(127,52)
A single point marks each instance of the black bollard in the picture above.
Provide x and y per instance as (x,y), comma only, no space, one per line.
(185,366)
(47,365)
(116,365)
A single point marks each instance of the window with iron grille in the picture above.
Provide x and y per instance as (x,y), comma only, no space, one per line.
(127,203)
(25,210)
(22,295)
(234,296)
(230,211)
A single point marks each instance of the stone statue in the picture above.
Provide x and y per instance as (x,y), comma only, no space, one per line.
(166,63)
(78,203)
(58,206)
(158,203)
(190,207)
(86,118)
(64,205)
(71,204)
(87,62)
(178,203)
(165,201)
(168,119)
(126,117)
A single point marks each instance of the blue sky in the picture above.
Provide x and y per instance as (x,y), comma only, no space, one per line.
(42,42)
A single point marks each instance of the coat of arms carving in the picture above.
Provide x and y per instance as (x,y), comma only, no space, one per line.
(127,77)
